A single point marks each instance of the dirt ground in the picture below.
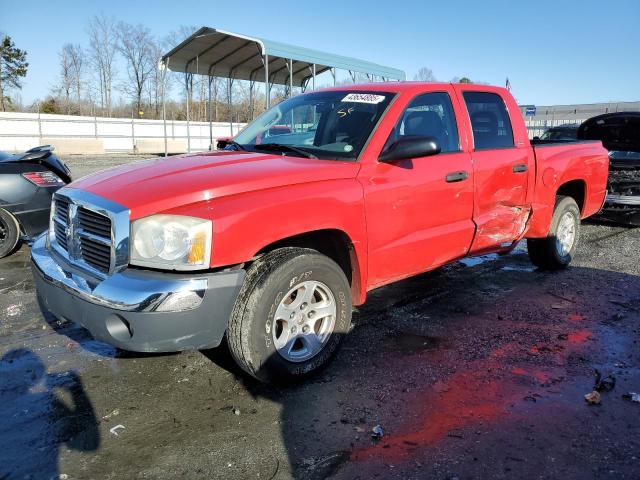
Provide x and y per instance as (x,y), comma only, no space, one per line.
(475,371)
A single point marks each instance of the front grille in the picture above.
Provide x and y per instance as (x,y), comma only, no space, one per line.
(61,221)
(61,235)
(94,223)
(96,254)
(62,210)
(85,235)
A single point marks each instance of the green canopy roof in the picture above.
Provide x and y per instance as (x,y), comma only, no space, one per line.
(213,52)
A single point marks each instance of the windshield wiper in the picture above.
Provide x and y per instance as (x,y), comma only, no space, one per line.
(284,148)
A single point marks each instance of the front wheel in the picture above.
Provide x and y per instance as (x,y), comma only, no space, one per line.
(557,250)
(291,315)
(9,233)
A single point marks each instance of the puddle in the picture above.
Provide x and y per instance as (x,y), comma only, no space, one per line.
(518,268)
(474,261)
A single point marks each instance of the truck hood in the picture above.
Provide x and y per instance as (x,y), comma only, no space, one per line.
(157,185)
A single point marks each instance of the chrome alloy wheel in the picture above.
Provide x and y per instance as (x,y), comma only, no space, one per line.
(304,321)
(566,233)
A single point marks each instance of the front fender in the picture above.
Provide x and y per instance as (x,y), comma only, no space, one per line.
(245,223)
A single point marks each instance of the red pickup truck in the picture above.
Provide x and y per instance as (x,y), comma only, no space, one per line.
(271,241)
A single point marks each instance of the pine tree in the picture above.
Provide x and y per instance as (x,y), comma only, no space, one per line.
(13,67)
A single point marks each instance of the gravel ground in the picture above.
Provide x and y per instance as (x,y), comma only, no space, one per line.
(475,371)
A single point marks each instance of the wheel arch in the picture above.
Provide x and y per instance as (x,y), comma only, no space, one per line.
(335,244)
(576,189)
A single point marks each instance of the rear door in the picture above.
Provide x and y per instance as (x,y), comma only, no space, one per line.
(419,210)
(502,166)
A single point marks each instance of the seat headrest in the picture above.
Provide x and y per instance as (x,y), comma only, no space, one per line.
(423,122)
(484,123)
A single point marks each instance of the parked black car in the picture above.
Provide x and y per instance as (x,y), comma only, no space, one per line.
(620,134)
(27,182)
(561,133)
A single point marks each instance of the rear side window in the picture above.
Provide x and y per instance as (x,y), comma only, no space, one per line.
(489,120)
(429,114)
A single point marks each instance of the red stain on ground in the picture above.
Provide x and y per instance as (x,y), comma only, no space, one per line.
(541,377)
(469,400)
(574,317)
(578,337)
(482,394)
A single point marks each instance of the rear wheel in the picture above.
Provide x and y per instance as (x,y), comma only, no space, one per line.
(290,317)
(557,250)
(9,233)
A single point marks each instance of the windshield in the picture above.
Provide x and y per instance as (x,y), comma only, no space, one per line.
(332,125)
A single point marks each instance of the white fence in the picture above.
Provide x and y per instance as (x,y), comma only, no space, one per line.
(536,128)
(21,131)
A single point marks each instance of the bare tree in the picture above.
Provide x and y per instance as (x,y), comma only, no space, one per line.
(76,57)
(425,74)
(65,84)
(157,76)
(102,48)
(136,45)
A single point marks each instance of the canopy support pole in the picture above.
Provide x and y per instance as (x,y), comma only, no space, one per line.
(252,84)
(313,76)
(267,89)
(188,78)
(333,73)
(291,79)
(165,67)
(230,84)
(209,114)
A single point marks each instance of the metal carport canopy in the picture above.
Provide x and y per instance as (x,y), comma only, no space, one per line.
(213,52)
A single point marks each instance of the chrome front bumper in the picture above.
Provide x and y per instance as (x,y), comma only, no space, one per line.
(138,310)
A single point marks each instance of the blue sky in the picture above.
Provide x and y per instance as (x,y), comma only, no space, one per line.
(553,52)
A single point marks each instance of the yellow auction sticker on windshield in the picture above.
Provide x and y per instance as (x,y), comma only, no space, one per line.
(363,98)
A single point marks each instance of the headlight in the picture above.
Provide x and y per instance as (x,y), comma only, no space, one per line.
(171,242)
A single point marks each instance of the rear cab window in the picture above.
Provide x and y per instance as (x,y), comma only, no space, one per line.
(490,122)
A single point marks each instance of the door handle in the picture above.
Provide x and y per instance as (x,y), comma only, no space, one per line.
(456,177)
(520,168)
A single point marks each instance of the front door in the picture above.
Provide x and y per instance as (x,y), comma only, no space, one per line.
(419,210)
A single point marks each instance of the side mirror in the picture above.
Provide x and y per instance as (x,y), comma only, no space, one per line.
(410,147)
(536,138)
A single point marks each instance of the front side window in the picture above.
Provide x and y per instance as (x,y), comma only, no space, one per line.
(489,120)
(327,125)
(429,115)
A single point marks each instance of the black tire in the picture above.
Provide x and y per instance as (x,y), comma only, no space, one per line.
(269,278)
(9,233)
(545,252)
